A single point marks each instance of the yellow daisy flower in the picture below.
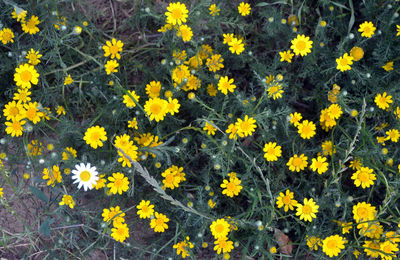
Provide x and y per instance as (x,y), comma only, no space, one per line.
(286,200)
(297,163)
(25,75)
(308,210)
(95,136)
(113,49)
(301,45)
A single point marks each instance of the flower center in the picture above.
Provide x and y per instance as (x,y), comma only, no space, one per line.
(85,176)
(297,161)
(114,49)
(286,200)
(176,13)
(26,76)
(363,177)
(169,178)
(245,126)
(306,209)
(31,24)
(7,36)
(306,129)
(231,186)
(16,125)
(331,244)
(219,228)
(155,109)
(31,113)
(343,62)
(362,212)
(300,45)
(271,151)
(118,183)
(14,111)
(145,209)
(159,222)
(95,136)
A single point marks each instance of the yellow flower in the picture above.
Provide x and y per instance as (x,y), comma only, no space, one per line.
(244,9)
(363,212)
(295,118)
(328,148)
(228,37)
(22,95)
(120,232)
(332,245)
(367,29)
(370,229)
(128,101)
(286,200)
(6,35)
(69,153)
(308,210)
(245,127)
(182,247)
(25,75)
(30,26)
(111,66)
(223,245)
(383,100)
(153,89)
(33,57)
(1,191)
(145,209)
(68,80)
(363,177)
(158,223)
(133,123)
(371,248)
(306,129)
(232,131)
(67,200)
(118,183)
(275,91)
(397,112)
(393,135)
(14,110)
(210,128)
(319,164)
(231,187)
(398,30)
(313,242)
(211,203)
(113,49)
(220,228)
(173,106)
(214,63)
(53,176)
(212,90)
(156,108)
(60,110)
(179,56)
(388,249)
(344,62)
(32,112)
(101,182)
(357,53)
(95,136)
(15,127)
(388,66)
(214,10)
(35,148)
(173,176)
(297,163)
(272,151)
(225,85)
(180,73)
(301,45)
(19,14)
(177,13)
(113,214)
(236,46)
(185,32)
(286,56)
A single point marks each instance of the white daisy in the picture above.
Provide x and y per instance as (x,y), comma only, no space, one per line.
(85,175)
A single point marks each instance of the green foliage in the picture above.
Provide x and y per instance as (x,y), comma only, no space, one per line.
(97,99)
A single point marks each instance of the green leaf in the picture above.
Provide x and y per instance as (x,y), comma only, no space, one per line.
(274,3)
(38,193)
(45,227)
(352,18)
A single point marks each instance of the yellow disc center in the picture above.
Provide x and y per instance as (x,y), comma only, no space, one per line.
(85,176)
(26,75)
